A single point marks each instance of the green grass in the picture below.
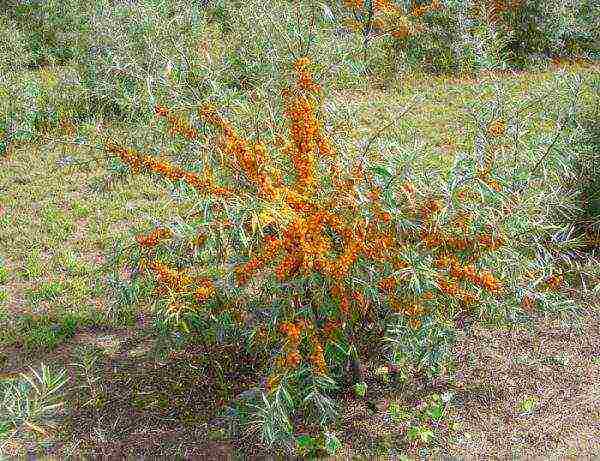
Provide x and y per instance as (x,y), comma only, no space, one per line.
(40,333)
(45,292)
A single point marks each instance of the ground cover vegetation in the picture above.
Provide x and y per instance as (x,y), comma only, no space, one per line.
(333,192)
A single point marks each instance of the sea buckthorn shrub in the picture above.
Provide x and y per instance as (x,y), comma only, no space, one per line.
(283,28)
(178,52)
(13,52)
(32,104)
(423,34)
(530,31)
(451,36)
(534,28)
(320,261)
(136,52)
(586,175)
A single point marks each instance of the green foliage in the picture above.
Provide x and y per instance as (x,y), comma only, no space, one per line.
(550,28)
(528,404)
(41,332)
(48,31)
(138,52)
(3,272)
(46,292)
(586,172)
(312,447)
(437,49)
(472,35)
(423,421)
(32,401)
(33,267)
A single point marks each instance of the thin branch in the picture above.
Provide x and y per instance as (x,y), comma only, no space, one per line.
(385,127)
(550,147)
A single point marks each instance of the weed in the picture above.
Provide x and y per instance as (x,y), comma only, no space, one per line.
(528,404)
(3,274)
(88,369)
(57,223)
(31,403)
(80,210)
(33,265)
(422,434)
(46,291)
(309,446)
(398,413)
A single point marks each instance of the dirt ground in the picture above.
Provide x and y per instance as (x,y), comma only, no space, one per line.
(529,392)
(556,365)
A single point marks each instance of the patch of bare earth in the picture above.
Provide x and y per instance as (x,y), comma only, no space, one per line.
(145,403)
(554,364)
(528,392)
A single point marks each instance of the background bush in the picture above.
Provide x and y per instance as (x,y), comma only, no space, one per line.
(44,32)
(449,36)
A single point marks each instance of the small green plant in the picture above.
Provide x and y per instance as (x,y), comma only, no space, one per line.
(58,224)
(31,403)
(435,409)
(326,444)
(421,434)
(69,260)
(3,273)
(398,413)
(424,420)
(33,265)
(44,333)
(360,389)
(80,210)
(528,404)
(47,291)
(87,365)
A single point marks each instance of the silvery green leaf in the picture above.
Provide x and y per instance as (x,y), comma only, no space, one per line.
(328,14)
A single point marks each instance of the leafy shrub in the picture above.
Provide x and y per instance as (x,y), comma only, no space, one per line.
(315,259)
(13,52)
(141,52)
(424,35)
(586,176)
(443,36)
(136,51)
(552,29)
(48,31)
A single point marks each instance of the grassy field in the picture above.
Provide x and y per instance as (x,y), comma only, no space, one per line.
(136,389)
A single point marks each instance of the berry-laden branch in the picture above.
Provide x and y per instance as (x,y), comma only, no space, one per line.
(333,250)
